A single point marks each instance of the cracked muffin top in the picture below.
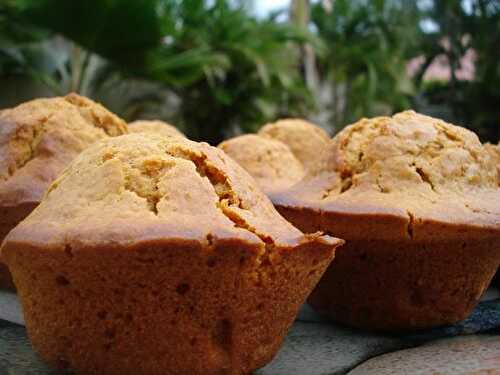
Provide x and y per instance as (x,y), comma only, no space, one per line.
(39,138)
(270,162)
(305,139)
(155,127)
(141,187)
(411,168)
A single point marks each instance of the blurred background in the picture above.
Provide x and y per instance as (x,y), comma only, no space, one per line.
(221,67)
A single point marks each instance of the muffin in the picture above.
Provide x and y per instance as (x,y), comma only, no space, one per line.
(417,201)
(270,162)
(155,255)
(155,127)
(37,140)
(305,139)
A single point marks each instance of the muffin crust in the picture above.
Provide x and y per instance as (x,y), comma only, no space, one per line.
(37,141)
(155,127)
(305,139)
(206,276)
(408,166)
(418,203)
(270,162)
(47,129)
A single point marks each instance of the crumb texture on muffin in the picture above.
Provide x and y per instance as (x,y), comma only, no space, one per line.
(494,151)
(305,139)
(269,161)
(410,165)
(409,148)
(164,184)
(39,138)
(156,127)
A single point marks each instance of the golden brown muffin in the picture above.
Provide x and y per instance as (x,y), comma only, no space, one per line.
(37,140)
(417,202)
(154,255)
(155,127)
(305,139)
(270,162)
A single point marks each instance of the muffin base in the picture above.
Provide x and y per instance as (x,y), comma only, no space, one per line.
(385,279)
(163,308)
(10,216)
(380,285)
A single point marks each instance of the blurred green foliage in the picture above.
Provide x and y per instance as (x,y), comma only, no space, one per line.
(227,68)
(213,68)
(465,25)
(252,73)
(369,45)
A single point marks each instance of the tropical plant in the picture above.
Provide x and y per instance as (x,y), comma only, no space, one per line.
(228,69)
(23,51)
(254,77)
(368,45)
(48,64)
(465,26)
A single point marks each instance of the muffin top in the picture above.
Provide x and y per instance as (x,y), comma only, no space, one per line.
(155,127)
(304,139)
(143,187)
(39,138)
(270,162)
(410,166)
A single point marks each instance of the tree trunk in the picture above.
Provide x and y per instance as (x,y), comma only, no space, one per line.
(300,16)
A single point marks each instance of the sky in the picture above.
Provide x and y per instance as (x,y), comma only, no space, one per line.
(264,7)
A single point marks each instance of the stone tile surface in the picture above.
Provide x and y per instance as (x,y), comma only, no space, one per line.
(16,354)
(315,346)
(10,308)
(466,355)
(326,349)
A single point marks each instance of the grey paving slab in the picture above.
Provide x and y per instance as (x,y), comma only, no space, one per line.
(309,349)
(16,354)
(326,349)
(465,355)
(313,346)
(317,347)
(10,308)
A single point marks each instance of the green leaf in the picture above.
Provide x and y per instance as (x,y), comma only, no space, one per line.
(116,29)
